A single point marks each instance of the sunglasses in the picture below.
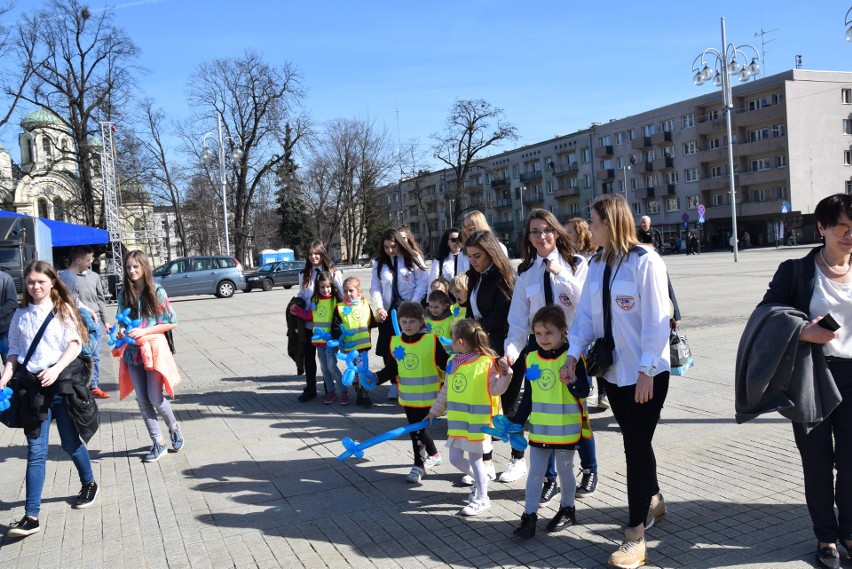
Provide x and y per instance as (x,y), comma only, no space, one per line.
(469,227)
(455,240)
(841,230)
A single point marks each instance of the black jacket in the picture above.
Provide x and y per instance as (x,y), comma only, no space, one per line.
(73,384)
(493,303)
(297,335)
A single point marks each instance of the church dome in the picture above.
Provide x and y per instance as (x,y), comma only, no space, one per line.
(39,117)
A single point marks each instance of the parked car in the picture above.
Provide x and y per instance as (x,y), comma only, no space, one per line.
(282,273)
(210,274)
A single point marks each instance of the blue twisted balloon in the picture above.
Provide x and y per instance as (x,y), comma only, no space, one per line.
(507,431)
(367,377)
(357,449)
(5,396)
(123,318)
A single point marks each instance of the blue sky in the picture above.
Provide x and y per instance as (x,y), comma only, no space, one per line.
(554,67)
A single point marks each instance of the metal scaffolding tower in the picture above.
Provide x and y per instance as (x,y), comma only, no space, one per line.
(114,224)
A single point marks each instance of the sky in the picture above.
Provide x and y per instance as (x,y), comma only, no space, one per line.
(554,67)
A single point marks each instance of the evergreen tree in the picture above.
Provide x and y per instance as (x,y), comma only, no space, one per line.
(293,225)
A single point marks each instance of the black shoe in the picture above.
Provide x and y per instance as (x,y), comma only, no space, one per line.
(828,557)
(27,526)
(367,402)
(564,517)
(548,491)
(527,527)
(847,543)
(87,495)
(588,484)
(307,395)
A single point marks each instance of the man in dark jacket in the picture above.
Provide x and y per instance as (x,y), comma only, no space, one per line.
(647,234)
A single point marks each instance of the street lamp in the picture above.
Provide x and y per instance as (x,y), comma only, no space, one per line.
(849,25)
(210,157)
(720,66)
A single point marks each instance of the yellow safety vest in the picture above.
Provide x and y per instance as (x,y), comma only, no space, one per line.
(418,378)
(462,312)
(470,405)
(358,320)
(442,327)
(322,317)
(557,417)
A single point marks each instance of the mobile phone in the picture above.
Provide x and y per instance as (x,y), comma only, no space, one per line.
(829,323)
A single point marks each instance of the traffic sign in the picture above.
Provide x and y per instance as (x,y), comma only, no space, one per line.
(685,217)
(785,207)
(700,219)
(701,210)
(686,225)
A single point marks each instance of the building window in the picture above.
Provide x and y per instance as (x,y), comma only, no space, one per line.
(550,187)
(58,209)
(606,140)
(778,130)
(847,126)
(515,174)
(781,161)
(45,146)
(671,177)
(758,195)
(587,180)
(631,134)
(606,187)
(847,157)
(672,204)
(687,121)
(760,164)
(692,202)
(43,208)
(713,143)
(777,98)
(720,199)
(849,186)
(691,174)
(758,134)
(654,206)
(713,115)
(586,155)
(690,148)
(846,96)
(716,172)
(619,137)
(667,125)
(637,208)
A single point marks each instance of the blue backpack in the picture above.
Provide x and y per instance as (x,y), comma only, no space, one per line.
(89,346)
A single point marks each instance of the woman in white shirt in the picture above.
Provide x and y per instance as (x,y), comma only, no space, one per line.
(51,374)
(475,221)
(639,377)
(450,260)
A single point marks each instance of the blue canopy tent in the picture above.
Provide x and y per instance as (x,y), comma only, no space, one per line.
(69,234)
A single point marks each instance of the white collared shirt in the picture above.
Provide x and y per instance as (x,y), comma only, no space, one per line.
(25,325)
(445,268)
(307,292)
(412,283)
(639,302)
(528,297)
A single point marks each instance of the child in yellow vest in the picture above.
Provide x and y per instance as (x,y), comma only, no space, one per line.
(417,362)
(557,418)
(356,315)
(322,309)
(471,397)
(458,288)
(439,319)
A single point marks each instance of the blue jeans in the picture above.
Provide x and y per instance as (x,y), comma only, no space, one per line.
(96,357)
(4,349)
(588,458)
(149,396)
(37,449)
(331,373)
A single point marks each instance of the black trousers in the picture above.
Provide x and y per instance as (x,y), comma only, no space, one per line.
(310,366)
(421,442)
(826,448)
(637,422)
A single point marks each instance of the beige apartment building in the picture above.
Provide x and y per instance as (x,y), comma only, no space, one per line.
(792,146)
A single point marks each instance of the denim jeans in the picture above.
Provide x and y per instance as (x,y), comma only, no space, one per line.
(149,397)
(4,349)
(96,357)
(37,449)
(331,374)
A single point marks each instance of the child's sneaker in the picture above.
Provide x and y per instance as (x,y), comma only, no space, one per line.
(367,402)
(476,507)
(329,398)
(177,438)
(155,453)
(433,461)
(344,398)
(416,475)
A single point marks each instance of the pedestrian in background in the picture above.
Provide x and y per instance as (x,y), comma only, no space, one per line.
(8,305)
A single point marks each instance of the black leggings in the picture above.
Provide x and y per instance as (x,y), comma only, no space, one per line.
(638,421)
(420,440)
(310,366)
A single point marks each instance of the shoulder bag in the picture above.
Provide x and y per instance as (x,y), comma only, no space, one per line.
(600,356)
(10,416)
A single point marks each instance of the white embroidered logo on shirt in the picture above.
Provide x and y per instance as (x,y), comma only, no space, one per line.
(625,302)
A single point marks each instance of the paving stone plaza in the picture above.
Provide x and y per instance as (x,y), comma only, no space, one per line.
(258,483)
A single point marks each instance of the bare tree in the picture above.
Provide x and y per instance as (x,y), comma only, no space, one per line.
(473,126)
(256,101)
(16,73)
(82,72)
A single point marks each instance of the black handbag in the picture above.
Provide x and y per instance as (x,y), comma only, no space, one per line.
(171,341)
(10,417)
(600,356)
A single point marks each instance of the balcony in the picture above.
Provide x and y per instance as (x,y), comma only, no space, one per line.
(641,142)
(566,170)
(565,193)
(649,166)
(660,137)
(602,151)
(671,189)
(714,154)
(503,203)
(533,198)
(709,126)
(498,182)
(710,184)
(766,114)
(645,193)
(607,174)
(530,176)
(503,226)
(763,177)
(765,146)
(665,163)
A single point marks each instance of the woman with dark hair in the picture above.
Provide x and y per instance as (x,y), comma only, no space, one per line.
(450,260)
(629,284)
(399,274)
(405,233)
(580,236)
(804,295)
(316,262)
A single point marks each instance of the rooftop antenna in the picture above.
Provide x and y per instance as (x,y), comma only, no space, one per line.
(763,41)
(798,62)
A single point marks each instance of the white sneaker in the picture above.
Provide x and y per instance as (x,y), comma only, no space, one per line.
(476,507)
(392,392)
(489,470)
(515,470)
(472,495)
(416,475)
(467,480)
(433,461)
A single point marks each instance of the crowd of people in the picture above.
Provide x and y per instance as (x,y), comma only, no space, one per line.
(590,308)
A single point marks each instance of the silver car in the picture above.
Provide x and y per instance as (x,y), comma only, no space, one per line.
(211,274)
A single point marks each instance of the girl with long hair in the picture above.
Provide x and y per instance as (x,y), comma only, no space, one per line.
(150,303)
(451,259)
(634,283)
(475,221)
(580,236)
(316,261)
(52,372)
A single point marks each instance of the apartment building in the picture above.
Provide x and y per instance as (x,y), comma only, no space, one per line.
(792,146)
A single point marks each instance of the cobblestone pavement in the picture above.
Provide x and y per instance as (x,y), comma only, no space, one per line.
(258,485)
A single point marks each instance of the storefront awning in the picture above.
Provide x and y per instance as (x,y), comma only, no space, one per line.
(69,234)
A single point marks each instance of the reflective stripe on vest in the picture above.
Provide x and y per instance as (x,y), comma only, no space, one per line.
(556,417)
(358,320)
(322,316)
(416,372)
(470,405)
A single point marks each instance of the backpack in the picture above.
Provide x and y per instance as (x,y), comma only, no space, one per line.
(93,328)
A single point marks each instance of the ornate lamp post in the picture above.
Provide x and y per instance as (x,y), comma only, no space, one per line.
(720,66)
(210,157)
